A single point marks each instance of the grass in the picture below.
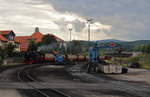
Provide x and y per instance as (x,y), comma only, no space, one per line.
(13,61)
(145,64)
(7,64)
(146,67)
(125,65)
(143,59)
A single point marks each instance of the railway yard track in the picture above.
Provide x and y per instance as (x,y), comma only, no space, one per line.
(50,80)
(26,77)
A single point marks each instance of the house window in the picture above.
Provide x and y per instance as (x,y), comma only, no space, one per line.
(11,37)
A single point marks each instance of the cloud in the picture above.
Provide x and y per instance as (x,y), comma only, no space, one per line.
(99,26)
(120,19)
(97,32)
(24,15)
(125,16)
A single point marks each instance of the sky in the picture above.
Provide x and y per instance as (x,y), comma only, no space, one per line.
(112,19)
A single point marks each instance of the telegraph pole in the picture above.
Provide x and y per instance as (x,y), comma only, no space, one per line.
(90,66)
(89,21)
(69,26)
(70,30)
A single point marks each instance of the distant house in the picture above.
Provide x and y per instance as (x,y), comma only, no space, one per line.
(36,36)
(6,37)
(9,35)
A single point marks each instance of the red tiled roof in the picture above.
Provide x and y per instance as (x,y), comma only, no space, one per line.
(21,39)
(24,47)
(2,38)
(5,32)
(37,36)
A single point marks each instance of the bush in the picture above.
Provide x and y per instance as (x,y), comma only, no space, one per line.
(135,65)
(1,60)
(10,49)
(2,55)
(143,60)
(134,59)
(144,48)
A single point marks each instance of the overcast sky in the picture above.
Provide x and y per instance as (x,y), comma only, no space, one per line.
(112,19)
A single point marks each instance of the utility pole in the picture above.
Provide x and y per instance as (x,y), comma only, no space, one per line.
(70,30)
(89,21)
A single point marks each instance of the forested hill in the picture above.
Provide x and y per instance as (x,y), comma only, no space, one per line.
(132,43)
(128,45)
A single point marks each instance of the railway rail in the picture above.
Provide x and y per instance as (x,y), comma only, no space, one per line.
(25,76)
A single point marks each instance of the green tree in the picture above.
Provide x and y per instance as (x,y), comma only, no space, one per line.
(9,48)
(33,46)
(76,47)
(148,49)
(7,51)
(49,43)
(145,49)
(2,55)
(48,39)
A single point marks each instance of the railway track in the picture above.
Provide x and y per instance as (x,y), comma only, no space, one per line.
(25,76)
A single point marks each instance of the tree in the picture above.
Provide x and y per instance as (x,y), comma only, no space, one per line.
(147,49)
(49,44)
(7,51)
(32,46)
(48,39)
(144,49)
(2,55)
(9,48)
(75,47)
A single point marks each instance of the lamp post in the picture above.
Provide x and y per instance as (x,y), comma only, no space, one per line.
(70,30)
(89,21)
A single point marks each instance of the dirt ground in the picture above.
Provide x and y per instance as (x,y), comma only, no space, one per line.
(9,93)
(134,75)
(110,85)
(136,83)
(6,76)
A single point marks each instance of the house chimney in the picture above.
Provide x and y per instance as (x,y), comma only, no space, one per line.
(37,29)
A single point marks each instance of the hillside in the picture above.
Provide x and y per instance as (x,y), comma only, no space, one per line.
(127,45)
(109,40)
(130,43)
(140,42)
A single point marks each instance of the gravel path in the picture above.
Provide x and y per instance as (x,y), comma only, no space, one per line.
(7,73)
(79,83)
(7,76)
(10,93)
(134,75)
(108,86)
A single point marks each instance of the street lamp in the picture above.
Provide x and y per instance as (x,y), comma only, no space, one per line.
(70,30)
(89,21)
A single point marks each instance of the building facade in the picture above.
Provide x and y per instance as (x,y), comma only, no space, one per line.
(37,36)
(22,42)
(6,37)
